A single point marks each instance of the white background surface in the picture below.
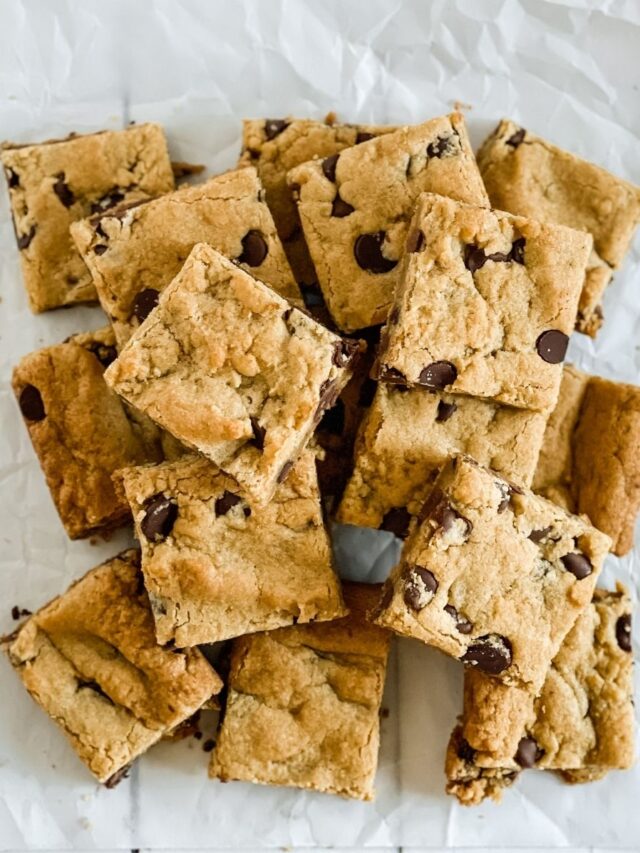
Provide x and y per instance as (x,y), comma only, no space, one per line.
(568,70)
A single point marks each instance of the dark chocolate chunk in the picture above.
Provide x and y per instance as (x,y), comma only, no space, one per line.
(391,374)
(333,419)
(274,126)
(226,502)
(343,352)
(623,632)
(474,258)
(415,240)
(247,511)
(578,564)
(208,745)
(99,249)
(364,136)
(254,249)
(367,392)
(105,353)
(528,752)
(341,208)
(463,625)
(397,521)
(368,253)
(420,585)
(145,302)
(465,751)
(552,346)
(284,471)
(159,518)
(443,146)
(517,138)
(109,199)
(61,189)
(538,535)
(31,405)
(445,411)
(491,654)
(438,375)
(24,240)
(329,167)
(259,433)
(517,250)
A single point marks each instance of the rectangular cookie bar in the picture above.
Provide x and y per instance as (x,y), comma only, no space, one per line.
(89,658)
(590,457)
(303,704)
(81,430)
(215,567)
(53,184)
(134,252)
(581,723)
(274,147)
(408,434)
(355,210)
(228,367)
(529,176)
(493,575)
(485,304)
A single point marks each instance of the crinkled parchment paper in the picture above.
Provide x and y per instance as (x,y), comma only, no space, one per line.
(567,70)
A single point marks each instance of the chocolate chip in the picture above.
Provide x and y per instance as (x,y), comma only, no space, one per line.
(284,471)
(226,502)
(367,392)
(247,511)
(506,491)
(105,353)
(368,253)
(415,241)
(552,346)
(391,375)
(439,510)
(474,258)
(396,521)
(13,179)
(364,136)
(538,535)
(528,752)
(99,249)
(109,199)
(61,189)
(343,352)
(312,295)
(465,751)
(438,375)
(254,249)
(333,420)
(517,250)
(159,517)
(445,410)
(491,654)
(463,625)
(420,585)
(31,405)
(623,632)
(341,208)
(274,126)
(117,777)
(145,302)
(579,565)
(208,745)
(259,433)
(442,147)
(329,167)
(517,138)
(24,241)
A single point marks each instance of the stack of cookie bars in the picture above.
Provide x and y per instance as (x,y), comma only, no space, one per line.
(358,322)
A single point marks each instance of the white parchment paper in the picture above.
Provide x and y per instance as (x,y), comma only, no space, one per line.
(568,70)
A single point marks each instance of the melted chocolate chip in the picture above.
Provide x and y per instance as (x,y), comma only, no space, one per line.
(106,354)
(61,189)
(363,136)
(254,249)
(491,654)
(397,521)
(420,585)
(367,250)
(24,240)
(462,625)
(99,249)
(31,405)
(159,518)
(579,565)
(623,632)
(109,199)
(259,433)
(465,751)
(528,752)
(284,471)
(438,375)
(415,241)
(517,250)
(144,303)
(391,375)
(517,138)
(538,535)
(329,167)
(474,258)
(226,502)
(552,346)
(341,208)
(333,420)
(274,126)
(445,411)
(444,146)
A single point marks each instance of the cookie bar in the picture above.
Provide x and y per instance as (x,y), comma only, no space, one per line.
(303,704)
(53,184)
(493,575)
(408,434)
(355,209)
(529,176)
(485,304)
(215,567)
(227,366)
(81,431)
(274,147)
(90,660)
(580,724)
(590,458)
(134,252)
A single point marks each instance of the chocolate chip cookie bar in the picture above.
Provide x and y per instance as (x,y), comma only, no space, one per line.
(90,660)
(274,147)
(228,367)
(81,430)
(53,184)
(408,434)
(580,724)
(134,252)
(216,567)
(355,209)
(529,176)
(493,575)
(590,457)
(485,304)
(303,704)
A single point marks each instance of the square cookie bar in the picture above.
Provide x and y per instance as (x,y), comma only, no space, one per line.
(485,304)
(408,434)
(590,457)
(81,430)
(581,723)
(90,660)
(134,252)
(228,367)
(274,147)
(53,184)
(493,575)
(355,210)
(529,176)
(303,704)
(215,567)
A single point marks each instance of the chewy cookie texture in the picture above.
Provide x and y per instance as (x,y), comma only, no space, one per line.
(580,724)
(215,567)
(53,184)
(355,209)
(529,176)
(493,575)
(303,704)
(485,304)
(90,660)
(232,370)
(81,430)
(134,252)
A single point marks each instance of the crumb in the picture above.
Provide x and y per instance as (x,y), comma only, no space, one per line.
(208,745)
(19,612)
(330,118)
(461,105)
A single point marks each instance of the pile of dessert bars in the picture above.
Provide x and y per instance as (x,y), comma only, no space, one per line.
(245,391)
